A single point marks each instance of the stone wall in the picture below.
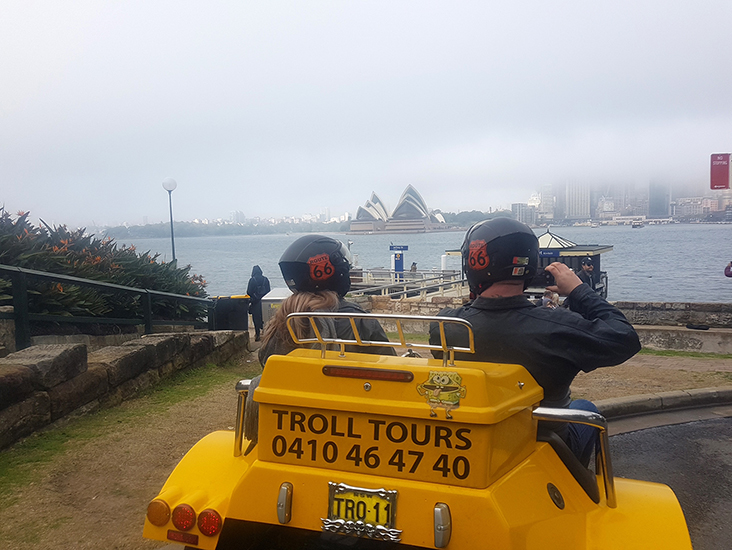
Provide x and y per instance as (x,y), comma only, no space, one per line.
(7,333)
(43,383)
(713,340)
(668,314)
(410,306)
(677,313)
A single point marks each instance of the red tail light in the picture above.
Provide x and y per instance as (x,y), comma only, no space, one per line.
(209,522)
(158,512)
(366,373)
(184,517)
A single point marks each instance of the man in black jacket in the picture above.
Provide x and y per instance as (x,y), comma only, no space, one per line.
(586,275)
(257,289)
(500,257)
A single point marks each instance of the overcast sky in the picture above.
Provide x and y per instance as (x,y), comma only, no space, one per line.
(284,108)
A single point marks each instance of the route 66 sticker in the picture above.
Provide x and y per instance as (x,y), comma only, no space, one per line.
(478,257)
(320,267)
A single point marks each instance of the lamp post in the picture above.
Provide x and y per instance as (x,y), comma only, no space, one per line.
(169,184)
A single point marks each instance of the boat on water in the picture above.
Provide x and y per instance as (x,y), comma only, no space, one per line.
(637,224)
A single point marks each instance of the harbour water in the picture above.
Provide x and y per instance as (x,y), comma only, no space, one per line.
(656,263)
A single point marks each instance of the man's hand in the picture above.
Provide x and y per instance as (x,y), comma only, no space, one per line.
(565,278)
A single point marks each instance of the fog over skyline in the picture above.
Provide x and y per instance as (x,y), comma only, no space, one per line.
(285,108)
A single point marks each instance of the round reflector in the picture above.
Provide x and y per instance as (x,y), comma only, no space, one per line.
(184,517)
(158,512)
(209,522)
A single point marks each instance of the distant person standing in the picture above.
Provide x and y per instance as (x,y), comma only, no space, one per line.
(587,273)
(728,270)
(257,289)
(413,269)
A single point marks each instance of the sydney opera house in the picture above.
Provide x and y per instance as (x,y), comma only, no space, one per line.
(410,215)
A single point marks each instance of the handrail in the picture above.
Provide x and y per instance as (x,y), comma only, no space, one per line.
(426,289)
(19,279)
(418,285)
(330,337)
(588,418)
(96,284)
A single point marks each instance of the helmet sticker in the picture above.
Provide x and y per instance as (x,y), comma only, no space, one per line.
(478,257)
(517,271)
(520,260)
(320,267)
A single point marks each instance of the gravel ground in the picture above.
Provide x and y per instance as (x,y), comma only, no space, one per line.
(94,496)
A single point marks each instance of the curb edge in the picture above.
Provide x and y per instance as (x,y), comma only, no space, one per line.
(665,401)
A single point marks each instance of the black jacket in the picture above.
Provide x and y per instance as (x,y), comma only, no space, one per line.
(258,286)
(587,278)
(554,345)
(368,329)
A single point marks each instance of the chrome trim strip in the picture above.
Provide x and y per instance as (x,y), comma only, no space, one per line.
(442,524)
(284,503)
(242,388)
(361,529)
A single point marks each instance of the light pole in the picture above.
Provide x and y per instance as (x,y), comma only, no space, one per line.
(169,184)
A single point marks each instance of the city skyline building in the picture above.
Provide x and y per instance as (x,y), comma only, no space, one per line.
(659,200)
(577,201)
(524,212)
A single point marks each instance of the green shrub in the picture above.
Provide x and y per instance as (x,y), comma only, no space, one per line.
(62,251)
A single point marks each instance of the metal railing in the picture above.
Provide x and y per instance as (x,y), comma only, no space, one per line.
(413,284)
(325,334)
(21,314)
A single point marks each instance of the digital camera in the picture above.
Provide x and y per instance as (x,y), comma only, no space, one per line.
(546,278)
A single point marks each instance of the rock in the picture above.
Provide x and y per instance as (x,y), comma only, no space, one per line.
(23,418)
(124,362)
(78,391)
(52,364)
(16,383)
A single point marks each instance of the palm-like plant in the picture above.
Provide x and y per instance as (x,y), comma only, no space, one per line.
(63,251)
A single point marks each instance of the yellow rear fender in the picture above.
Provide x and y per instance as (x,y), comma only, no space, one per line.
(203,480)
(648,515)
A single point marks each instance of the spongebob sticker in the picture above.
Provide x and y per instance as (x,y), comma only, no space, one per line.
(443,390)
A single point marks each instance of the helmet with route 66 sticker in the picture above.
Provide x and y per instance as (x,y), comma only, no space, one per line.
(317,262)
(498,250)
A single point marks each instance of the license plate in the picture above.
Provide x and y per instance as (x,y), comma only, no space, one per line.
(362,512)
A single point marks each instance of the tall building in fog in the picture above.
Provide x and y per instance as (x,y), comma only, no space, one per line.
(605,209)
(659,200)
(577,202)
(238,216)
(545,209)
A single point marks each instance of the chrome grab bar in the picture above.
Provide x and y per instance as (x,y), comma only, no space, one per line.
(588,418)
(330,338)
(242,388)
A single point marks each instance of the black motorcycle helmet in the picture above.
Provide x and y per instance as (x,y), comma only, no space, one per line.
(316,262)
(498,250)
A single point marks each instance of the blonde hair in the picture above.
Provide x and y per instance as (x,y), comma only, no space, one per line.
(323,300)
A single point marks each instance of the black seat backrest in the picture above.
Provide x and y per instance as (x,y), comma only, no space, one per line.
(584,477)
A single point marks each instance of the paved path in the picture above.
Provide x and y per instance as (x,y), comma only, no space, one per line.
(695,460)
